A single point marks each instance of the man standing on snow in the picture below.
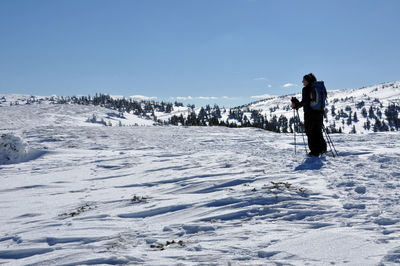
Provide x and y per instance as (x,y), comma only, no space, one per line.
(313,117)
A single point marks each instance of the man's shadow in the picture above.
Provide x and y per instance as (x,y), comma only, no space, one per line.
(311,163)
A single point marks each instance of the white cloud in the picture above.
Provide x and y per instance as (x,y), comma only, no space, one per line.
(204,98)
(207,98)
(286,85)
(142,97)
(260,78)
(269,86)
(183,98)
(228,98)
(264,96)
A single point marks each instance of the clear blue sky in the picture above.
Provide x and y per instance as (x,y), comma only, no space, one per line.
(197,48)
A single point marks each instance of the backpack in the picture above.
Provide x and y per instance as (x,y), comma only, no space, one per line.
(318,95)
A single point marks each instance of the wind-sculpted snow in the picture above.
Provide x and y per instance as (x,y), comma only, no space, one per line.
(198,195)
(13,149)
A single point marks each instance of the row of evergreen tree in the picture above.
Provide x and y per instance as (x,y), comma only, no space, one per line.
(374,116)
(236,118)
(243,116)
(142,108)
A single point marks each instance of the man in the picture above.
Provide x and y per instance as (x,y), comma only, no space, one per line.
(313,118)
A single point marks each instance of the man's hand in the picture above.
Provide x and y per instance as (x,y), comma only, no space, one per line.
(295,103)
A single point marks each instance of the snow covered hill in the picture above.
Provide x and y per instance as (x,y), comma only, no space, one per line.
(369,109)
(17,110)
(342,105)
(168,195)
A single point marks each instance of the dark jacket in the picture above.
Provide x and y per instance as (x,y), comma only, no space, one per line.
(305,101)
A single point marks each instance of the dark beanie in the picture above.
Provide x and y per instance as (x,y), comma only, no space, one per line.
(310,78)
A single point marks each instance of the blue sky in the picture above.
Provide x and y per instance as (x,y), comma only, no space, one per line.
(225,51)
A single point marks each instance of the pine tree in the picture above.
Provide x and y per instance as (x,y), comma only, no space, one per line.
(202,116)
(371,113)
(368,124)
(333,110)
(274,124)
(379,113)
(169,108)
(217,111)
(213,121)
(349,120)
(355,118)
(364,112)
(392,115)
(181,120)
(283,123)
(377,125)
(359,105)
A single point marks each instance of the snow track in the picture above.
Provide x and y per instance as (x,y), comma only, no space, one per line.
(170,195)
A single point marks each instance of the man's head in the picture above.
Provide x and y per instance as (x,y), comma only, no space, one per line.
(308,79)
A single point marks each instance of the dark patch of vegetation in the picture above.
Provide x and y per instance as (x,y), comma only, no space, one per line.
(277,187)
(168,243)
(138,199)
(79,210)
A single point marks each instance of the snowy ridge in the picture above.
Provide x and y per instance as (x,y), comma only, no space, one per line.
(43,109)
(369,109)
(361,110)
(378,96)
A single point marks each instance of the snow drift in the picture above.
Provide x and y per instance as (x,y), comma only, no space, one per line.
(13,149)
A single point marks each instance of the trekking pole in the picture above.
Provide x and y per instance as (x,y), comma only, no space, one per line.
(302,133)
(333,149)
(327,139)
(294,130)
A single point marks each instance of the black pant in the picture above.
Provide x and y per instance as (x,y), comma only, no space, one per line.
(313,123)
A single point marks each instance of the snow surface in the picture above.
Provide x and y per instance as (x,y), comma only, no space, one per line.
(14,150)
(189,196)
(45,111)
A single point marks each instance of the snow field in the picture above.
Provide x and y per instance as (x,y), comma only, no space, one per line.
(175,195)
(190,196)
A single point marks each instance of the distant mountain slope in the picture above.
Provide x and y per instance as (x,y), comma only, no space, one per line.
(348,111)
(369,109)
(22,111)
(342,104)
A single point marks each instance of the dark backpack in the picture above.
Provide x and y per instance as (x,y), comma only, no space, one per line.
(318,95)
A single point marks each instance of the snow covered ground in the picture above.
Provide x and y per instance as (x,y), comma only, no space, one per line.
(189,196)
(45,111)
